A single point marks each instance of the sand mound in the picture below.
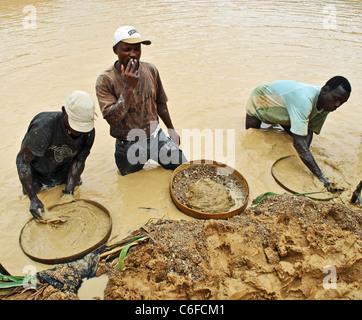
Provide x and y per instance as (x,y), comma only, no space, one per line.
(208,196)
(286,248)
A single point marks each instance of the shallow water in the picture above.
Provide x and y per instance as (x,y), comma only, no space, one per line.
(210,55)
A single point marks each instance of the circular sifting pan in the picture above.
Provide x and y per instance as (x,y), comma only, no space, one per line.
(216,177)
(294,176)
(67,232)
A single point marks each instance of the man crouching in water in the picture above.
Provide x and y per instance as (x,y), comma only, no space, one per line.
(55,148)
(301,110)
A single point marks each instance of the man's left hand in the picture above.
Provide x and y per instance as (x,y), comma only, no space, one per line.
(174,136)
(67,197)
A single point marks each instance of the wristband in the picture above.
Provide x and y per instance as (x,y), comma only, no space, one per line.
(68,192)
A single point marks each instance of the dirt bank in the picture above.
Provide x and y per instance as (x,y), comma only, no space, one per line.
(286,248)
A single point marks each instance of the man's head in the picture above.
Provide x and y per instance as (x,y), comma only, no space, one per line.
(127,44)
(79,111)
(334,93)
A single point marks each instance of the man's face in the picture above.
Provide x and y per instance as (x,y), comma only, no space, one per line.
(330,100)
(71,131)
(126,52)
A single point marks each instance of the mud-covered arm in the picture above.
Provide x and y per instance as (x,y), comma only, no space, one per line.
(75,170)
(113,108)
(23,159)
(301,145)
(78,164)
(119,109)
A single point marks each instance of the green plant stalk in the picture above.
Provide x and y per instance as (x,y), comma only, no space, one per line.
(122,256)
(13,284)
(10,278)
(268,194)
(7,281)
(262,196)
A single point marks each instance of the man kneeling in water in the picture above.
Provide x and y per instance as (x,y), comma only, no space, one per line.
(300,109)
(55,148)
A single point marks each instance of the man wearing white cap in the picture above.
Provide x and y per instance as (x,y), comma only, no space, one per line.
(55,148)
(131,98)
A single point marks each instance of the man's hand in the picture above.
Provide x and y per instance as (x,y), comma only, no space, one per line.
(333,189)
(329,186)
(174,136)
(36,208)
(67,197)
(131,73)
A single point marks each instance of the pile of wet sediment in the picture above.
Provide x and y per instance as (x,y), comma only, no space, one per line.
(287,247)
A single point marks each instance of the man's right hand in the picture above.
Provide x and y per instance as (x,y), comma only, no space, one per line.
(36,208)
(131,73)
(330,186)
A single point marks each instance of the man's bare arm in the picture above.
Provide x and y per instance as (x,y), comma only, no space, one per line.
(301,144)
(23,159)
(162,111)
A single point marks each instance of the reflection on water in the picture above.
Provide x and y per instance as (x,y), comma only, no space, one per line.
(210,55)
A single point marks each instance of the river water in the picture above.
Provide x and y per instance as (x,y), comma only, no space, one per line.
(210,55)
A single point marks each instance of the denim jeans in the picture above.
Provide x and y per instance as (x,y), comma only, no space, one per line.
(131,156)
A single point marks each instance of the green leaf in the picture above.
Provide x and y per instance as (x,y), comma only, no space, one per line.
(122,256)
(268,194)
(10,278)
(263,196)
(11,284)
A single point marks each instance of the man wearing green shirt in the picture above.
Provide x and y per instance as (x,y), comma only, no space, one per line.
(300,109)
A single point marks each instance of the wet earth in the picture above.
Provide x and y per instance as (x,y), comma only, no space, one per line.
(286,247)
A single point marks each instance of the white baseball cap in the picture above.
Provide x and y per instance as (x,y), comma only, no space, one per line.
(80,110)
(130,35)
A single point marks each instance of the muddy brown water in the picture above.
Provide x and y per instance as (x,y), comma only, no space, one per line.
(210,55)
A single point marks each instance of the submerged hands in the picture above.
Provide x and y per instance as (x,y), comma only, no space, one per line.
(67,197)
(36,208)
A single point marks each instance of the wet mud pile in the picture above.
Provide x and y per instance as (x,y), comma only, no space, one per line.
(285,248)
(207,196)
